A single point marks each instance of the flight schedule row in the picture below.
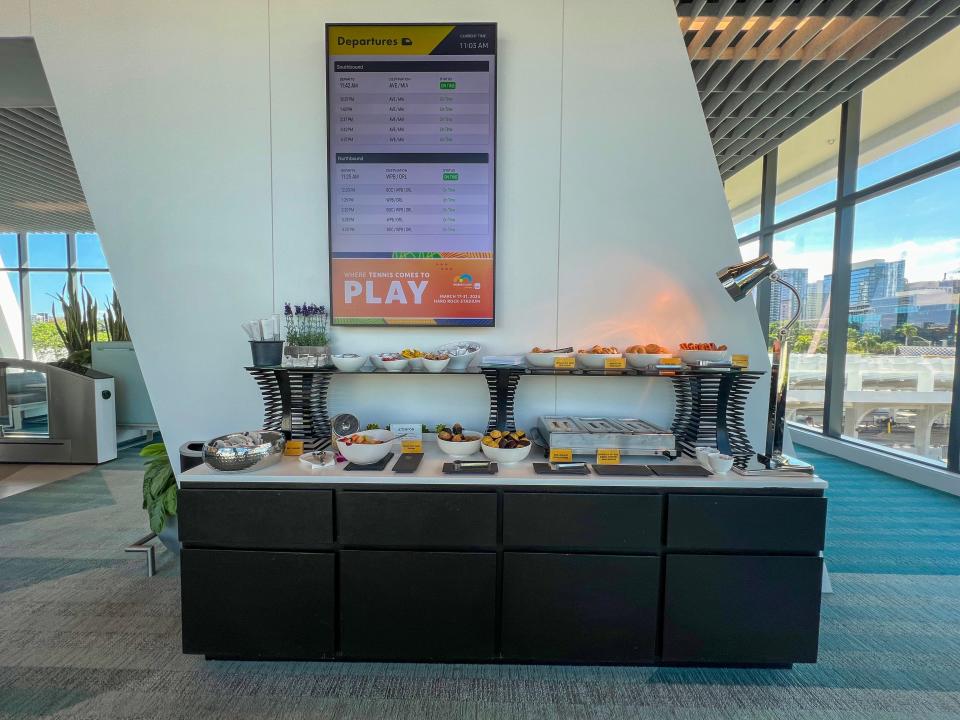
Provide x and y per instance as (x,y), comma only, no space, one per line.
(441,195)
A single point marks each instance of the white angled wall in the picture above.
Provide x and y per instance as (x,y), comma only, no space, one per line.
(198,130)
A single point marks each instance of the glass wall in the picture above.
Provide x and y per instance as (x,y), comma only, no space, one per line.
(743,197)
(37,268)
(807,167)
(895,370)
(804,256)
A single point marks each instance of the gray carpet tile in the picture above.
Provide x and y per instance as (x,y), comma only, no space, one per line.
(84,635)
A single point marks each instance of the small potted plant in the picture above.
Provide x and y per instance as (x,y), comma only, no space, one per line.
(307,332)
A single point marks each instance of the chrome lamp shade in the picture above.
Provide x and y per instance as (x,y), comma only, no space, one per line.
(738,280)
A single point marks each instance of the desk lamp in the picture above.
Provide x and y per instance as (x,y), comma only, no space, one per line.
(738,280)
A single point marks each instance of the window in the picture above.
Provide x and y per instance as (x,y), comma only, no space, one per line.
(29,286)
(807,167)
(89,252)
(9,250)
(743,197)
(894,372)
(804,256)
(46,250)
(904,294)
(911,116)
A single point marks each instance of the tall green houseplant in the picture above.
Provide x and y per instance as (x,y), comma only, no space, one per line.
(79,329)
(159,486)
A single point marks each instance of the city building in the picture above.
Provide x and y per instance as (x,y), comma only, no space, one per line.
(782,302)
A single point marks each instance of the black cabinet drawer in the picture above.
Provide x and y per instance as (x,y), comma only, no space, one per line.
(253,605)
(570,521)
(417,519)
(580,608)
(256,519)
(741,609)
(742,523)
(414,605)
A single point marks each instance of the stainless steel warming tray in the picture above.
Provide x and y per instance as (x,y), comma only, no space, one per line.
(586,435)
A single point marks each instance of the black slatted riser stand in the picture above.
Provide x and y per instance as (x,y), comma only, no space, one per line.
(294,402)
(502,384)
(710,411)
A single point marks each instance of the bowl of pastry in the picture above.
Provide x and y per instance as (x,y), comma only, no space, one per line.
(595,357)
(693,353)
(540,358)
(641,356)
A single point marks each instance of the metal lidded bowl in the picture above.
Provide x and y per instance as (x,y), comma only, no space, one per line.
(245,459)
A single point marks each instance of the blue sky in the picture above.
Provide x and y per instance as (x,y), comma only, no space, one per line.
(919,223)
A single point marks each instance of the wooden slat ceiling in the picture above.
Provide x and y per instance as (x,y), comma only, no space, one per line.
(39,187)
(766,69)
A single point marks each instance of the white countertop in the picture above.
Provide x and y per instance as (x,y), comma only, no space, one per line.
(291,470)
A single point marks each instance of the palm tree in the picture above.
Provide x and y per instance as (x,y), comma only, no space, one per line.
(869,342)
(908,330)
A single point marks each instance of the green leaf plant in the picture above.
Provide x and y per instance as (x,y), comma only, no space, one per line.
(116,324)
(159,486)
(79,330)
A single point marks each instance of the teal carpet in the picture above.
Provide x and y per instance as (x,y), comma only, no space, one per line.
(85,636)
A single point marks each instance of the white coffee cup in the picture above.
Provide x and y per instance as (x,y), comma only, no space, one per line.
(720,463)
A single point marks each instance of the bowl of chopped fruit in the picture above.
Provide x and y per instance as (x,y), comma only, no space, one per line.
(506,446)
(457,442)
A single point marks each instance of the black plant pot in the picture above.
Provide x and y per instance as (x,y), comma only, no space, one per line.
(267,353)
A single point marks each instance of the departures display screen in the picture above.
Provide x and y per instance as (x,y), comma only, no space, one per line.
(411,140)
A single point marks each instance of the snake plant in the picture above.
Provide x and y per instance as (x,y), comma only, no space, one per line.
(79,328)
(116,324)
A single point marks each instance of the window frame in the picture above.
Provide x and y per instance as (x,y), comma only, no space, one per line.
(73,271)
(844,206)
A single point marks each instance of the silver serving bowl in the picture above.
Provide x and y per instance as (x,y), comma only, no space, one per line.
(245,459)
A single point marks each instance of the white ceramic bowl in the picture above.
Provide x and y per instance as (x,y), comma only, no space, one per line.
(593,361)
(415,363)
(506,456)
(460,362)
(377,361)
(719,463)
(642,360)
(545,360)
(435,366)
(346,363)
(703,453)
(368,454)
(695,356)
(395,365)
(461,449)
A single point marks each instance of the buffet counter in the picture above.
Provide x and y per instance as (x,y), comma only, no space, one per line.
(292,563)
(290,472)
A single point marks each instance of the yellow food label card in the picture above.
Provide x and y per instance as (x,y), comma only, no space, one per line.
(293,447)
(564,363)
(608,456)
(561,455)
(742,361)
(615,363)
(669,361)
(411,446)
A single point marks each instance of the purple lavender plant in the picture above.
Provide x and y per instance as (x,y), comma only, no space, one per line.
(306,324)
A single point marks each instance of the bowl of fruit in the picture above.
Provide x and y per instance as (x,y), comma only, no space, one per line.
(367,447)
(506,446)
(641,356)
(413,357)
(435,362)
(457,442)
(595,357)
(394,362)
(693,353)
